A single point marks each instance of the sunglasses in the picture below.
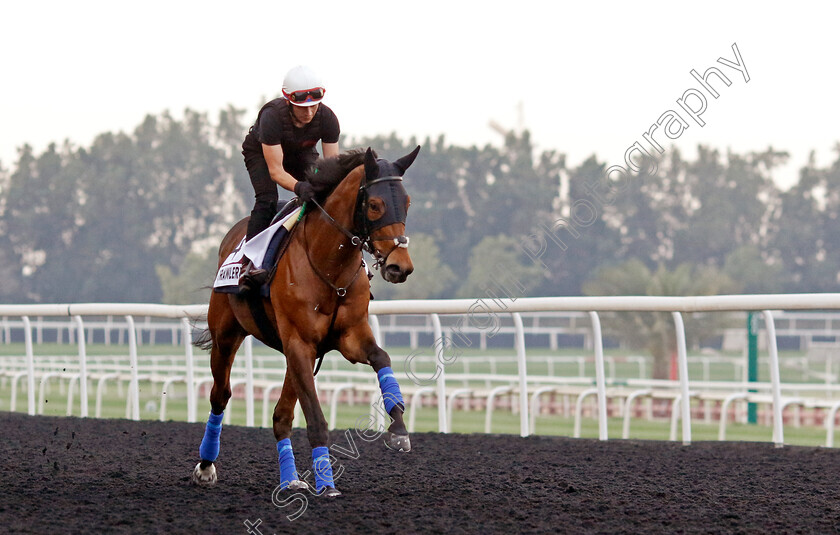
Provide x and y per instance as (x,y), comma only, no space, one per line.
(307,95)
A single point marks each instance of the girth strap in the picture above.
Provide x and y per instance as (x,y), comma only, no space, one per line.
(267,331)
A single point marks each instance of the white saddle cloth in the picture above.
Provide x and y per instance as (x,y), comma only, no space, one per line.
(254,250)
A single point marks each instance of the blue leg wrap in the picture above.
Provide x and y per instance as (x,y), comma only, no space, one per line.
(322,468)
(288,473)
(391,395)
(209,449)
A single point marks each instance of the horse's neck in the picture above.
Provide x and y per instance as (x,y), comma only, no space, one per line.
(341,203)
(325,240)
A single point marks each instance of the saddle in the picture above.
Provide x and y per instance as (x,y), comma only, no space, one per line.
(228,275)
(286,209)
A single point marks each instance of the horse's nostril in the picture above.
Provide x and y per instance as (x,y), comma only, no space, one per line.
(395,273)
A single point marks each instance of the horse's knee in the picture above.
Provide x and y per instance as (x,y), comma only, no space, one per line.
(378,358)
(283,417)
(282,424)
(219,398)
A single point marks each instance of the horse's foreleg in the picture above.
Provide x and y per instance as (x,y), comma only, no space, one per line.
(391,398)
(299,357)
(359,345)
(284,413)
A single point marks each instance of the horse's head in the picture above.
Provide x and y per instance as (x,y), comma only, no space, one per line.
(381,211)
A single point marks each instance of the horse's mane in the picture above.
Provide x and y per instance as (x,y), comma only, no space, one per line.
(328,173)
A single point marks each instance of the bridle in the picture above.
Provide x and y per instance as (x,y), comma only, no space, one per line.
(360,237)
(390,188)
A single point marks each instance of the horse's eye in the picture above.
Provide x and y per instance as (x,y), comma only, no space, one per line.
(376,209)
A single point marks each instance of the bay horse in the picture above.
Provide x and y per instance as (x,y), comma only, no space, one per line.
(318,301)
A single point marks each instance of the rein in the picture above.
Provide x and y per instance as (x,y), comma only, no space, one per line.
(340,290)
(355,240)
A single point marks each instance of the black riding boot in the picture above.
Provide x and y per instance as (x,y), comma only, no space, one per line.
(261,217)
(253,276)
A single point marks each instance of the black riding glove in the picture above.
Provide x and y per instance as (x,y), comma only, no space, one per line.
(304,191)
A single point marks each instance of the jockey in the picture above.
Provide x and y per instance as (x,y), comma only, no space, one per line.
(280,147)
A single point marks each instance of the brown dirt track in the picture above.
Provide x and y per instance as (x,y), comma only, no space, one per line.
(71,475)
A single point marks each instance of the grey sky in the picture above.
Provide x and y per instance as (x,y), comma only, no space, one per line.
(591,77)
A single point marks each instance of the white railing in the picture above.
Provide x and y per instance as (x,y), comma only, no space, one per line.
(477,311)
(114,331)
(110,330)
(818,330)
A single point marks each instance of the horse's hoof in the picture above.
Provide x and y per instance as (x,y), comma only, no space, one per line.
(331,492)
(297,484)
(206,477)
(398,442)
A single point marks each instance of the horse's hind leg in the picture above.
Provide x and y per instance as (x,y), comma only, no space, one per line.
(227,335)
(284,413)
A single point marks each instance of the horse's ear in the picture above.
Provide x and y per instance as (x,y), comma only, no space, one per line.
(405,162)
(371,167)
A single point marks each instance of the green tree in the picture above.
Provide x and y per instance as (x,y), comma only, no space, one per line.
(727,204)
(497,268)
(751,273)
(10,271)
(462,195)
(430,278)
(571,260)
(192,283)
(92,223)
(40,219)
(654,331)
(828,242)
(797,240)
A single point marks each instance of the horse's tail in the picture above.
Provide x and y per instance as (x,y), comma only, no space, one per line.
(204,340)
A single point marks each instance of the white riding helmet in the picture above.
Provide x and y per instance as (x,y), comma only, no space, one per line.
(302,87)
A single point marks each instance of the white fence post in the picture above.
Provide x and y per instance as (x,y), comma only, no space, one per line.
(83,392)
(682,365)
(600,379)
(775,380)
(134,387)
(443,426)
(249,381)
(377,331)
(190,370)
(523,375)
(30,367)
